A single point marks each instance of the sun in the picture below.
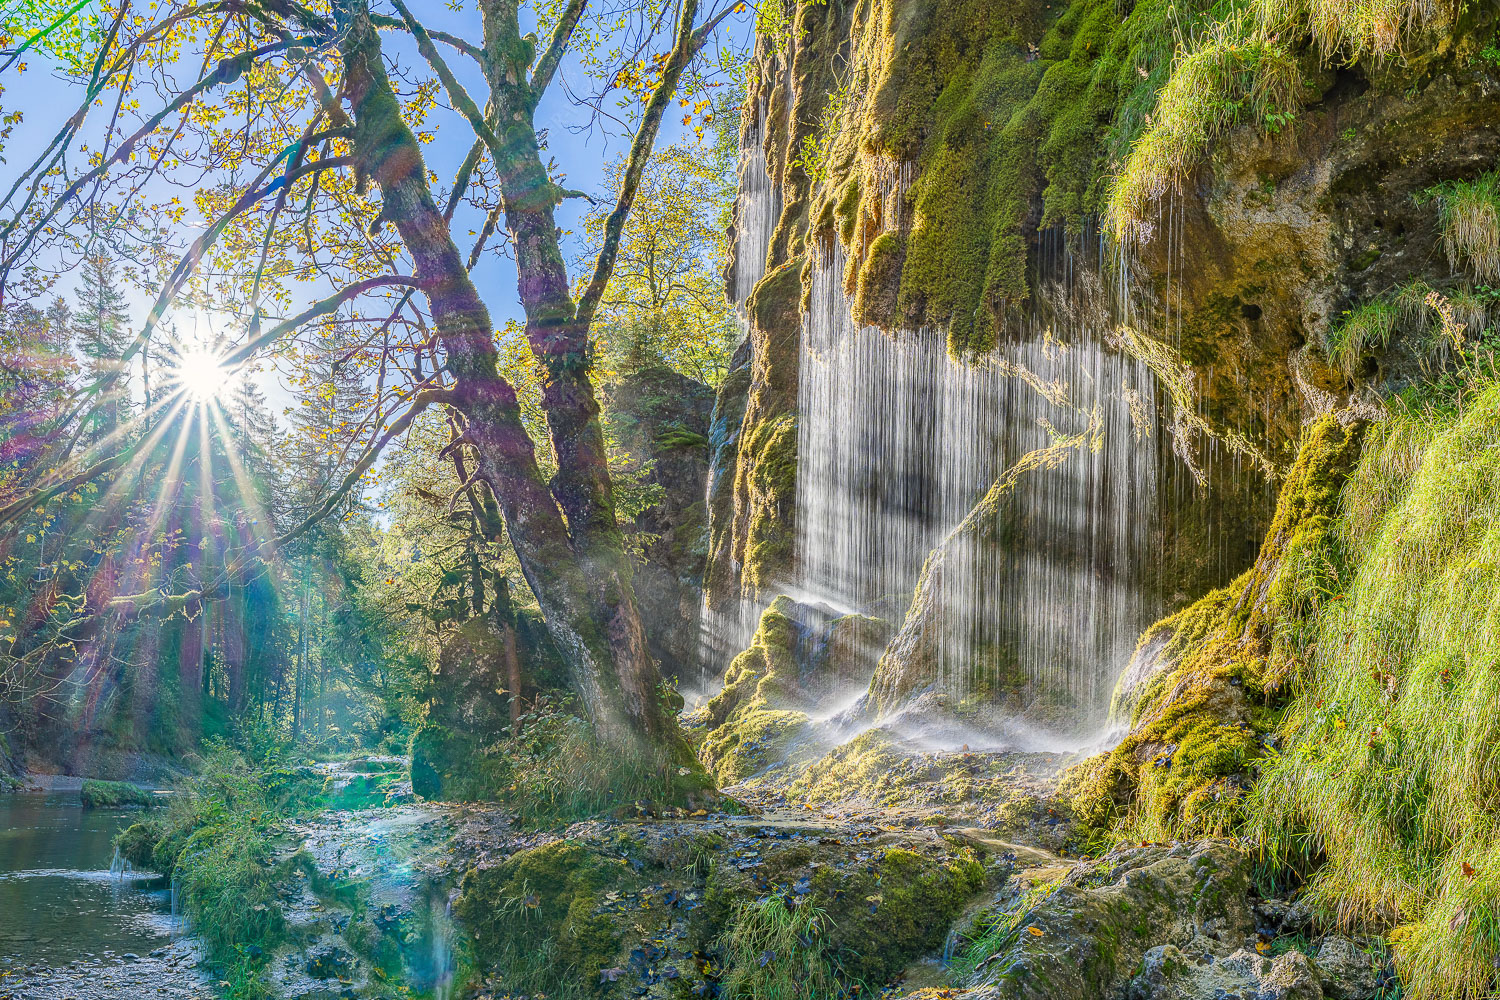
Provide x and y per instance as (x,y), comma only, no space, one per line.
(201,374)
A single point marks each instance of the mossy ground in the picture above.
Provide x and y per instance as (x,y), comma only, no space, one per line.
(737,909)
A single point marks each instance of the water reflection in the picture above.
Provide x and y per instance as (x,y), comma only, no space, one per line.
(59,897)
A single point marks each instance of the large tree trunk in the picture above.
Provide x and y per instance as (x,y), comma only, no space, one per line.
(584,594)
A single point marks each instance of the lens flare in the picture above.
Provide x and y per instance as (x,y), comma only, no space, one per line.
(201,374)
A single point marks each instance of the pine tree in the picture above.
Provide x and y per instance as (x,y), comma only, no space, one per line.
(101,328)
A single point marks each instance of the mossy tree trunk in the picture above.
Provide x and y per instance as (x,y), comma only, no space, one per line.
(563,533)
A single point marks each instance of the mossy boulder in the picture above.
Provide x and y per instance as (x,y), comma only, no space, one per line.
(1085,935)
(1202,691)
(881,907)
(541,908)
(799,655)
(137,843)
(116,795)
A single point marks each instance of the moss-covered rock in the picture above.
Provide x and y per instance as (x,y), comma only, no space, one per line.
(797,656)
(1202,690)
(116,795)
(538,910)
(660,420)
(1085,934)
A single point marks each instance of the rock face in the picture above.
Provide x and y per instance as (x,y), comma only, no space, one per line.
(661,419)
(1162,923)
(961,164)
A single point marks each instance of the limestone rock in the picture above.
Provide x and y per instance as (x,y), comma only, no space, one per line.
(1349,972)
(1169,974)
(1093,930)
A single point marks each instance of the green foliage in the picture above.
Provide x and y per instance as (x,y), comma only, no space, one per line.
(1245,69)
(1233,73)
(1390,741)
(116,795)
(64,31)
(556,771)
(217,839)
(665,302)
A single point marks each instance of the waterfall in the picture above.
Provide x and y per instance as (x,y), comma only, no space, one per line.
(897,442)
(757,208)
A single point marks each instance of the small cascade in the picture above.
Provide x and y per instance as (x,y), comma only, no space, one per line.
(897,442)
(119,867)
(756,210)
(179,919)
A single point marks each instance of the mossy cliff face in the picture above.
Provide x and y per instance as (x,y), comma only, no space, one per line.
(752,510)
(1202,690)
(1384,790)
(964,145)
(663,418)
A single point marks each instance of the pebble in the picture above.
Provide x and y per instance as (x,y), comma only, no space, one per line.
(169,973)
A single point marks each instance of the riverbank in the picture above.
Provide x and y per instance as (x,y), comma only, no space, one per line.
(169,973)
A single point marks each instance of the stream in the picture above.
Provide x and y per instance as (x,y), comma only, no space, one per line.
(73,923)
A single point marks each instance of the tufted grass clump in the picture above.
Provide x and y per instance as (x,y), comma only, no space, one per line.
(1389,781)
(776,951)
(1349,30)
(1232,75)
(1469,214)
(1244,70)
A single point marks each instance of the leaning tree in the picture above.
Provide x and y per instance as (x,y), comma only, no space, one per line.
(296,133)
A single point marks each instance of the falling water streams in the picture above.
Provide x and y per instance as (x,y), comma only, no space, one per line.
(897,441)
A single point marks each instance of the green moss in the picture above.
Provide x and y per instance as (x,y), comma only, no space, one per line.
(877,280)
(862,921)
(769,454)
(765,513)
(750,723)
(1220,667)
(886,914)
(537,915)
(1011,114)
(116,795)
(864,768)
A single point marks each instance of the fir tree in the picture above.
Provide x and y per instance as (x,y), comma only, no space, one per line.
(101,328)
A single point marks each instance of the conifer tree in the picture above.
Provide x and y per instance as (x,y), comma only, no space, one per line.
(101,328)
